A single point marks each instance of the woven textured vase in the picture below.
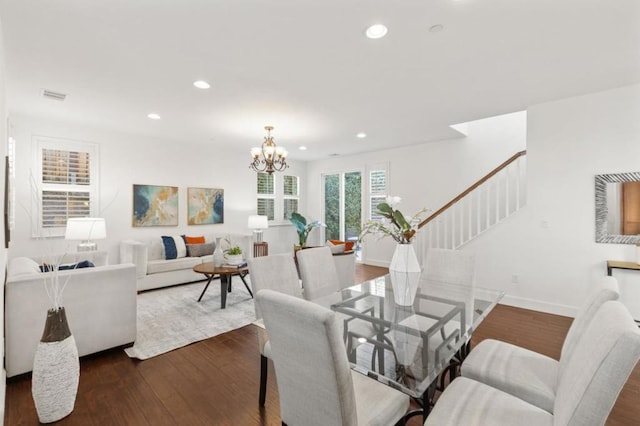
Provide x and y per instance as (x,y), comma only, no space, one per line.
(56,369)
(404,272)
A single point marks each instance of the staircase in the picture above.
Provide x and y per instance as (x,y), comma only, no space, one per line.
(489,201)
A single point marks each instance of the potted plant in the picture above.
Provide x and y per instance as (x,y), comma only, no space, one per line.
(303,228)
(404,269)
(233,255)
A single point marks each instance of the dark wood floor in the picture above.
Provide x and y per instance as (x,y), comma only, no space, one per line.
(215,382)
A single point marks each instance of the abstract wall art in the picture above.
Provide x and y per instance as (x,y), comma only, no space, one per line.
(155,205)
(205,206)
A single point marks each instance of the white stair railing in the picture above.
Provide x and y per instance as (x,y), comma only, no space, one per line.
(486,203)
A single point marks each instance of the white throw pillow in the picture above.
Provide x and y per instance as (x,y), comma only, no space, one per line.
(23,265)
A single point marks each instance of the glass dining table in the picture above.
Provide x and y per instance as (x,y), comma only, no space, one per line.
(411,345)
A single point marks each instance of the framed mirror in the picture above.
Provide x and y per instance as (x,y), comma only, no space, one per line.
(618,208)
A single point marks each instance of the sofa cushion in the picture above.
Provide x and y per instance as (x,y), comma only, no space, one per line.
(198,250)
(194,240)
(23,265)
(157,266)
(174,247)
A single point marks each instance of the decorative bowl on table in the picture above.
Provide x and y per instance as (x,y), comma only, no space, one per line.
(233,259)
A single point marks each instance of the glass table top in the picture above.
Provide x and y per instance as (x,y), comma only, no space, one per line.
(407,347)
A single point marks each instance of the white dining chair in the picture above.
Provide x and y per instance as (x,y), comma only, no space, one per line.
(317,272)
(278,273)
(597,370)
(320,279)
(315,383)
(529,375)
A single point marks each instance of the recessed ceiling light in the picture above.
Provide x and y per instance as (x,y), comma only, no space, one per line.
(436,28)
(302,148)
(154,116)
(361,135)
(376,31)
(201,84)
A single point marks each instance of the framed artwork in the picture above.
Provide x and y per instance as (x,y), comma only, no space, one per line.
(155,205)
(205,206)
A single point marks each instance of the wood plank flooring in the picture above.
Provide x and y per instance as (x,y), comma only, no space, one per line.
(215,382)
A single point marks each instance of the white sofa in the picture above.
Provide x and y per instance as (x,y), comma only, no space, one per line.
(154,271)
(100,304)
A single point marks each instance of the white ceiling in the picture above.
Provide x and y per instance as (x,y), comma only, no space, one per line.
(306,68)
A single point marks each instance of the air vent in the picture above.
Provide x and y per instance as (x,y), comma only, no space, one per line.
(53,95)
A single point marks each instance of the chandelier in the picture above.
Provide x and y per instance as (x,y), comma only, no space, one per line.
(274,158)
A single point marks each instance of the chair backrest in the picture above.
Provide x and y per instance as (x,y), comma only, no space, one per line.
(276,272)
(318,272)
(312,370)
(458,267)
(598,368)
(607,289)
(450,266)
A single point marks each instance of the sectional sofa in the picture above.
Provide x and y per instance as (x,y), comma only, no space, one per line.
(155,270)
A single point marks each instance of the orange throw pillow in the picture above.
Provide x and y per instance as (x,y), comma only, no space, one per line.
(348,245)
(194,240)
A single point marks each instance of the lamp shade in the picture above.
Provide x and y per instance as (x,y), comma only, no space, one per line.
(86,228)
(258,222)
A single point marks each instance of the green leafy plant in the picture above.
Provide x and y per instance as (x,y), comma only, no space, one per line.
(394,225)
(302,227)
(234,250)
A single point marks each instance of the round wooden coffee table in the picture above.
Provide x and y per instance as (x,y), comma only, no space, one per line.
(225,272)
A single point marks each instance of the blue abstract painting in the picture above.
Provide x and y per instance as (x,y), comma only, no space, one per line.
(155,205)
(205,206)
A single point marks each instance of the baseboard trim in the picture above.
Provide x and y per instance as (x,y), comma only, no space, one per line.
(541,306)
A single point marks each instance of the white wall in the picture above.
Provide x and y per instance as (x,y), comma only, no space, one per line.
(128,159)
(428,175)
(551,244)
(3,250)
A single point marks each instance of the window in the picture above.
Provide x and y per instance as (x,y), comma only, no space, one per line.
(266,195)
(67,183)
(291,195)
(377,191)
(278,200)
(342,205)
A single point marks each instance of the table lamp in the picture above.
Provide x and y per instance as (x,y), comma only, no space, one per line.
(258,223)
(86,229)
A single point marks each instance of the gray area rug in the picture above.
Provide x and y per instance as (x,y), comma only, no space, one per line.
(171,318)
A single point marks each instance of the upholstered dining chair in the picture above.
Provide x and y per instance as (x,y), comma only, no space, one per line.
(597,370)
(317,272)
(315,383)
(531,376)
(319,279)
(278,273)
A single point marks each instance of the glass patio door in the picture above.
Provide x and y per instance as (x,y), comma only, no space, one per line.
(342,194)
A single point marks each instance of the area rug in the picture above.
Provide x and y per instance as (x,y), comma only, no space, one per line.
(171,318)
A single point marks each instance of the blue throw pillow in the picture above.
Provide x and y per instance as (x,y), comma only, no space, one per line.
(49,268)
(170,249)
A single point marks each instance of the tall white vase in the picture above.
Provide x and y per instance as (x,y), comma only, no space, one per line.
(218,254)
(405,274)
(56,369)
